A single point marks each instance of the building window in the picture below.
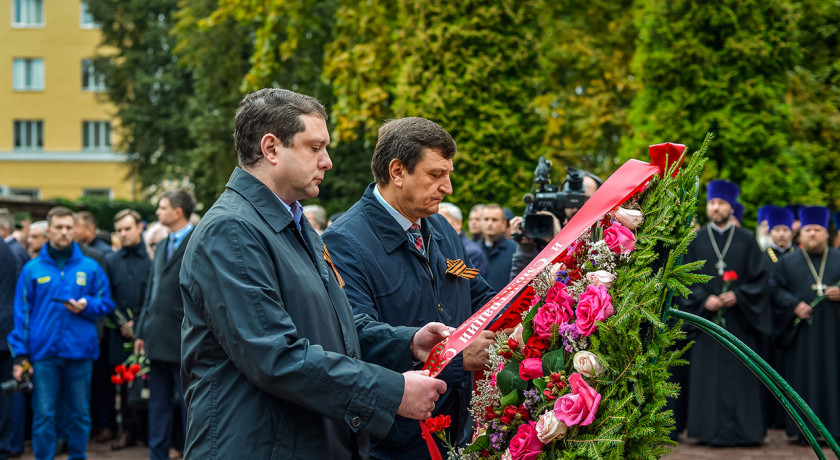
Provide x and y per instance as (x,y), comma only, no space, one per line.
(96,135)
(31,193)
(91,79)
(29,135)
(96,193)
(28,74)
(27,13)
(86,19)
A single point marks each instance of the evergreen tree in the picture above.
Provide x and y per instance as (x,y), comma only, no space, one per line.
(721,68)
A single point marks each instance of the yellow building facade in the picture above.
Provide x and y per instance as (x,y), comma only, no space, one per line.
(56,124)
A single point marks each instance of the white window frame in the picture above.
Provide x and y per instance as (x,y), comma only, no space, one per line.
(26,9)
(96,135)
(31,129)
(85,18)
(28,74)
(20,192)
(106,193)
(92,80)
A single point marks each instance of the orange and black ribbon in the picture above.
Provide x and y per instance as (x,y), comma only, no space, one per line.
(458,268)
(335,270)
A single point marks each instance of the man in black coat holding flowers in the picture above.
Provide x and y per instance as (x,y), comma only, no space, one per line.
(724,398)
(275,364)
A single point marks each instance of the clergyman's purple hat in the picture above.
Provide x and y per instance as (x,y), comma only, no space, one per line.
(778,216)
(723,189)
(762,212)
(815,215)
(795,208)
(738,211)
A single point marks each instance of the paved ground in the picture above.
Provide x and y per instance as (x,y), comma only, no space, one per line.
(775,447)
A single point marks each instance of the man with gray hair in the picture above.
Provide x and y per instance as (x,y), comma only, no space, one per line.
(37,237)
(317,217)
(453,215)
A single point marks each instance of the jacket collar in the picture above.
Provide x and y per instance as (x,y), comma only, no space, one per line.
(75,256)
(261,198)
(386,228)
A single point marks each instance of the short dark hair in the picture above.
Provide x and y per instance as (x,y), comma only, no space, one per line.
(88,218)
(405,139)
(59,211)
(180,199)
(270,110)
(130,212)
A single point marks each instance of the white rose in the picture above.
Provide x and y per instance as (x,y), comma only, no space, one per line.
(601,278)
(517,333)
(587,363)
(550,428)
(556,268)
(507,456)
(630,218)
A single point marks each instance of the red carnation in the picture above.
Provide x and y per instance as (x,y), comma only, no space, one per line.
(134,368)
(116,380)
(120,369)
(438,423)
(729,276)
(128,377)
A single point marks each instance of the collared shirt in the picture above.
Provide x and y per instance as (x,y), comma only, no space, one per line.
(401,219)
(780,249)
(9,238)
(296,210)
(179,236)
(721,230)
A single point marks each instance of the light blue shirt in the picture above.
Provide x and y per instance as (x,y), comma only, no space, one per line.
(179,236)
(401,219)
(295,210)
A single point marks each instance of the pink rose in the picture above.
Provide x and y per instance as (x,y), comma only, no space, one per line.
(557,294)
(548,315)
(580,406)
(595,304)
(601,278)
(530,368)
(619,239)
(525,445)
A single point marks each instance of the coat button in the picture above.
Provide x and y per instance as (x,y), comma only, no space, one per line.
(440,307)
(356,422)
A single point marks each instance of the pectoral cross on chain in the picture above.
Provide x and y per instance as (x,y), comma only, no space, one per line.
(720,265)
(820,288)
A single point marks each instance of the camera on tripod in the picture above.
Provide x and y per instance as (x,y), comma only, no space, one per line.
(13,386)
(547,197)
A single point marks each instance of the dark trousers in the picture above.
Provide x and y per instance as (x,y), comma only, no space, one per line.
(5,406)
(103,413)
(166,395)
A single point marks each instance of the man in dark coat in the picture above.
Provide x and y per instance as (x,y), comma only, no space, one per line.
(724,399)
(128,271)
(159,326)
(498,248)
(399,259)
(8,278)
(7,228)
(810,333)
(275,364)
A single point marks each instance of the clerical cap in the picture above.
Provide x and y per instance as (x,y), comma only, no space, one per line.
(795,209)
(778,216)
(762,212)
(723,189)
(814,215)
(738,211)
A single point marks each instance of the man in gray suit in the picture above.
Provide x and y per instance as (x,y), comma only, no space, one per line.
(159,326)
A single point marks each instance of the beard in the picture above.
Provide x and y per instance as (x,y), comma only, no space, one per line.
(814,247)
(720,220)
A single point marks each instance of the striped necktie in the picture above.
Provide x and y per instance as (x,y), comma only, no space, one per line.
(416,238)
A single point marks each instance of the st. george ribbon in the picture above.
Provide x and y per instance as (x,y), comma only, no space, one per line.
(632,177)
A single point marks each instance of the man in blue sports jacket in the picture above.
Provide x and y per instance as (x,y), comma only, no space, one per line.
(404,265)
(58,299)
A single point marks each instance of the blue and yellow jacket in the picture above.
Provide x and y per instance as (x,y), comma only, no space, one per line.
(44,327)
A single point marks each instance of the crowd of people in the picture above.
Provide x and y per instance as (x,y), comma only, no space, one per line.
(273,329)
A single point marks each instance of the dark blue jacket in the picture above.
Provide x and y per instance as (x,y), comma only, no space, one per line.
(388,279)
(44,327)
(8,278)
(275,364)
(128,271)
(500,258)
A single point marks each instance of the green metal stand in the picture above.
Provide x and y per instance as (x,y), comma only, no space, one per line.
(777,385)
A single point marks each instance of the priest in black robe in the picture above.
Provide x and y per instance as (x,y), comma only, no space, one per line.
(780,230)
(812,334)
(724,399)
